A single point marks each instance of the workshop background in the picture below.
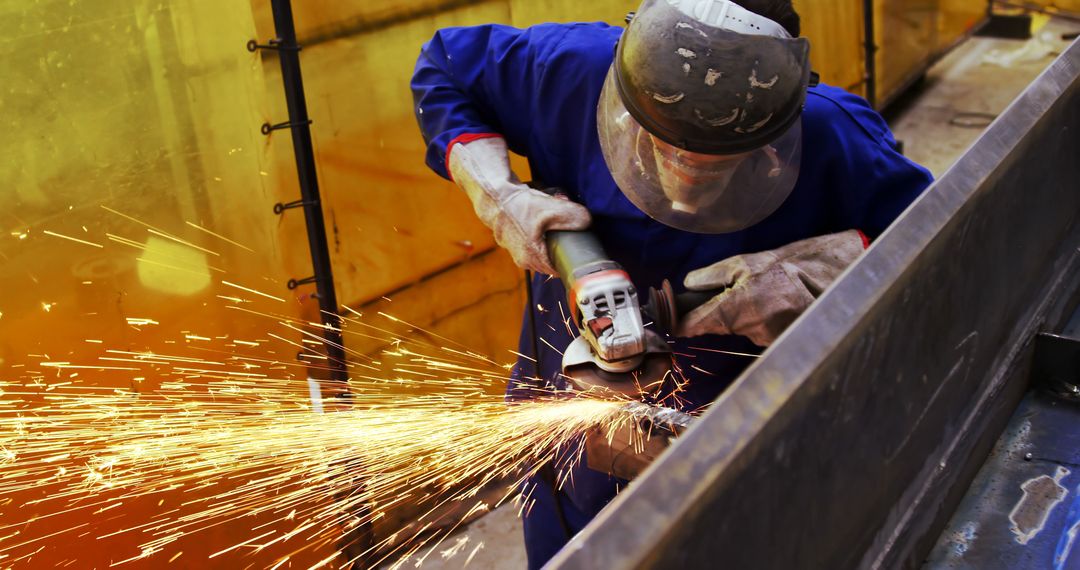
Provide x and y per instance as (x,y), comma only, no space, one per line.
(132,132)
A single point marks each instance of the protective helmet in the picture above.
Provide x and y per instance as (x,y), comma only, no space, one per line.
(699,118)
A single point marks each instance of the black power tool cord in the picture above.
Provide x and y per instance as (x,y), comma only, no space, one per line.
(547,472)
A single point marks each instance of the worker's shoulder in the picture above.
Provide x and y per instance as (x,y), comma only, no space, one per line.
(588,36)
(580,44)
(567,36)
(833,110)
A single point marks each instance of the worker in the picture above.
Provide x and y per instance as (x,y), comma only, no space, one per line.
(696,145)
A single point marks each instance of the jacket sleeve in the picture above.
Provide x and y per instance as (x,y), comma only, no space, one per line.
(478,82)
(872,183)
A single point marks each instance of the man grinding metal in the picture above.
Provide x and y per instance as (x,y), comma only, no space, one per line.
(697,146)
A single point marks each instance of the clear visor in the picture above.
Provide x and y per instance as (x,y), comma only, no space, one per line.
(701,193)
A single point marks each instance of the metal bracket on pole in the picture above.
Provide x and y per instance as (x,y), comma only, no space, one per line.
(294,283)
(281,208)
(273,45)
(267,128)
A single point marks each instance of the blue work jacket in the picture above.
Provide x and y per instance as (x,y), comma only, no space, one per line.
(538,88)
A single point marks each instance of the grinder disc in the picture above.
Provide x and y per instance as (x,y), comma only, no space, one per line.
(581,368)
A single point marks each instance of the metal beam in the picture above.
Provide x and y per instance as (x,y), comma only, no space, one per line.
(357,541)
(850,441)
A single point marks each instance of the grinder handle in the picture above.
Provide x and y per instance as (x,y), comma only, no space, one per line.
(574,253)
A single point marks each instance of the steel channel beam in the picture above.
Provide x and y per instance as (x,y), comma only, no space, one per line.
(850,442)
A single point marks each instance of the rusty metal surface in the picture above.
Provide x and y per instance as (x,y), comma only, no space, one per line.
(851,440)
(1023,510)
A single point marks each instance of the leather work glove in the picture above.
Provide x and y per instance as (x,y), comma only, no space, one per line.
(518,215)
(765,292)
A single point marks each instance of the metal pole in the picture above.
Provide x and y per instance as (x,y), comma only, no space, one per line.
(289,54)
(357,544)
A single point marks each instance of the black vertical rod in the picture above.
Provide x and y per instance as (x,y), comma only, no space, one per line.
(357,544)
(870,53)
(533,333)
(547,472)
(289,54)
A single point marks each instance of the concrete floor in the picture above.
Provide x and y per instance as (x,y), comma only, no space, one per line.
(936,121)
(493,542)
(941,116)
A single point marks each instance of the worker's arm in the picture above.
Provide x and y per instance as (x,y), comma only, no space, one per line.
(479,82)
(869,182)
(518,215)
(475,91)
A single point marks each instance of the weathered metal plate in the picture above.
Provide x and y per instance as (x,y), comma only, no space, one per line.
(851,440)
(1023,510)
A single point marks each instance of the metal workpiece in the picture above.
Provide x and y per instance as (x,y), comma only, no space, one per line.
(658,418)
(625,449)
(850,442)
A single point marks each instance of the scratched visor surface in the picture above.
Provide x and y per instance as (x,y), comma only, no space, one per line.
(137,218)
(695,192)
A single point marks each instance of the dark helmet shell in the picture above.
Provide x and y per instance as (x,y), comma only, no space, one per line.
(706,89)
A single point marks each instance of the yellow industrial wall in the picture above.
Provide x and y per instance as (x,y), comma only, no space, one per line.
(137,200)
(910,33)
(1067,6)
(149,110)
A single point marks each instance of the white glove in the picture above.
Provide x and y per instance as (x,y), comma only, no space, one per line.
(518,215)
(765,292)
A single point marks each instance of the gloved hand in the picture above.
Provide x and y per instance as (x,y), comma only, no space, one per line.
(518,215)
(766,291)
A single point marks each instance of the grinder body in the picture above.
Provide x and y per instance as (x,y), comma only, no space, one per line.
(603,302)
(614,350)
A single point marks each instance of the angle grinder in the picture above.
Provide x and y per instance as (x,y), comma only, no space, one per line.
(614,350)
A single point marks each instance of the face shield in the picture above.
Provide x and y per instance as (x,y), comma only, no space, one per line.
(690,191)
(700,116)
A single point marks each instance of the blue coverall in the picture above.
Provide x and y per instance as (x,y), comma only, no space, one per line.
(538,88)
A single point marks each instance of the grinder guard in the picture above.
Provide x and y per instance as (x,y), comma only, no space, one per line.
(585,371)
